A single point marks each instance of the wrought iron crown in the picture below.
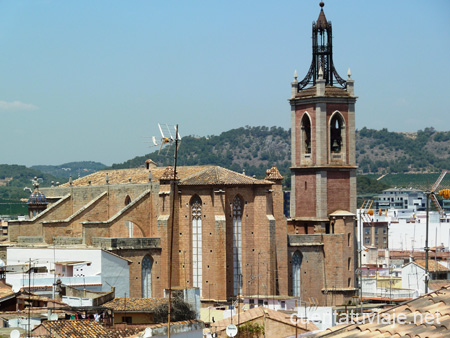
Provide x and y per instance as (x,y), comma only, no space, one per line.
(322,49)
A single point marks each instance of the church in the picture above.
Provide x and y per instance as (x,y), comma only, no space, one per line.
(227,231)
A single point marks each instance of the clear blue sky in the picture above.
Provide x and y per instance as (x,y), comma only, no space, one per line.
(90,80)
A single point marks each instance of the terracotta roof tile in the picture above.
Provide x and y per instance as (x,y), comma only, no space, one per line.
(414,320)
(432,265)
(220,176)
(188,175)
(135,304)
(75,328)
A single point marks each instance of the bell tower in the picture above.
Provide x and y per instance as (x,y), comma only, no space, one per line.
(323,173)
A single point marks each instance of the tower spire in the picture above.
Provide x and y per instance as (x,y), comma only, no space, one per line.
(322,51)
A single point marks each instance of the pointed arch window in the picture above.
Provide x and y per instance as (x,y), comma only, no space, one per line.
(127,200)
(336,133)
(147,264)
(196,209)
(306,134)
(237,245)
(296,265)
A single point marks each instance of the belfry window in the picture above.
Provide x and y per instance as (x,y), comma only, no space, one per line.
(296,264)
(237,245)
(196,208)
(306,134)
(336,126)
(147,265)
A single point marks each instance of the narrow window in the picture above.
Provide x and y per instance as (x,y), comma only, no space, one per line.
(296,264)
(336,125)
(127,200)
(196,208)
(237,245)
(147,265)
(306,134)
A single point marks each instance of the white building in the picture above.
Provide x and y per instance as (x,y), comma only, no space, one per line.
(401,198)
(92,269)
(413,274)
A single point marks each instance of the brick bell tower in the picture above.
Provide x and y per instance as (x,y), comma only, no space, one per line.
(323,178)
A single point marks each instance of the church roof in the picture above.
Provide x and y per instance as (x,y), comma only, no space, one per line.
(188,175)
(220,176)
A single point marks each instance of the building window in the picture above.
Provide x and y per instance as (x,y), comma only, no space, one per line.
(127,200)
(127,320)
(349,239)
(367,240)
(147,265)
(366,231)
(349,264)
(196,208)
(306,134)
(296,264)
(336,126)
(237,245)
(376,231)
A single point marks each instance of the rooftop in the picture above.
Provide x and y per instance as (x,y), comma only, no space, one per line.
(135,304)
(426,316)
(188,175)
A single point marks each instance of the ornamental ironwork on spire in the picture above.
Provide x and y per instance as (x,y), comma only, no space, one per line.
(322,50)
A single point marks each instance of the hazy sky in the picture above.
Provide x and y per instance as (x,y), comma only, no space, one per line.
(90,80)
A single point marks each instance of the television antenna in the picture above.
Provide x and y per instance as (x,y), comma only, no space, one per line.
(431,196)
(167,136)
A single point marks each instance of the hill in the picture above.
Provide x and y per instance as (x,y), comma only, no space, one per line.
(76,169)
(255,149)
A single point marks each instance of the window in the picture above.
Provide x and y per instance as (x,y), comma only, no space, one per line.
(367,240)
(126,320)
(366,231)
(376,231)
(147,265)
(127,200)
(349,264)
(336,126)
(196,208)
(306,134)
(296,264)
(237,245)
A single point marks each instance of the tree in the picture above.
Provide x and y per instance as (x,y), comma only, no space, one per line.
(179,311)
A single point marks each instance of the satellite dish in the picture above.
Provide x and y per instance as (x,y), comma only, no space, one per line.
(148,332)
(53,316)
(15,334)
(231,330)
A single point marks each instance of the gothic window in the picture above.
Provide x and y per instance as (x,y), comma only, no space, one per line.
(296,264)
(237,245)
(306,134)
(196,208)
(336,133)
(147,265)
(127,200)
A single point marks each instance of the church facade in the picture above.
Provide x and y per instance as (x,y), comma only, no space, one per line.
(229,231)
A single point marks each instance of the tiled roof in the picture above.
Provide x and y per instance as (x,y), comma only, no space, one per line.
(426,316)
(258,312)
(188,175)
(432,265)
(135,304)
(5,290)
(220,176)
(329,91)
(75,328)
